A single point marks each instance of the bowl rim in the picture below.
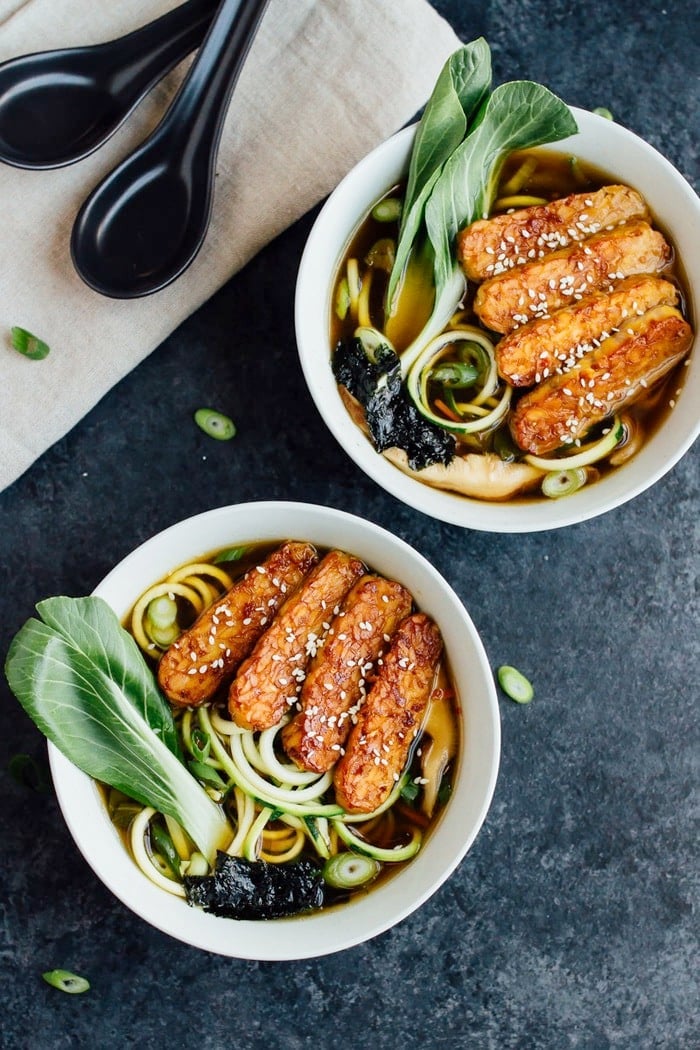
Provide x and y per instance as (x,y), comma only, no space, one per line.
(353,923)
(379,170)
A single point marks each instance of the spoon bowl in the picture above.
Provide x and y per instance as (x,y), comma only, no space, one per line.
(57,107)
(144,224)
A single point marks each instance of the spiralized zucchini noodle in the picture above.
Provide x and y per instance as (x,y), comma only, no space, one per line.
(275,809)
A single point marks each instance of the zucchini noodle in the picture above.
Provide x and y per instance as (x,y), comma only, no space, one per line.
(588,454)
(470,416)
(137,834)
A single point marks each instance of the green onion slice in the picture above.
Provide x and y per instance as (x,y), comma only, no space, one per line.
(200,743)
(515,685)
(215,424)
(388,210)
(603,111)
(29,345)
(455,374)
(342,299)
(409,792)
(162,611)
(345,871)
(230,554)
(207,774)
(164,845)
(66,981)
(560,483)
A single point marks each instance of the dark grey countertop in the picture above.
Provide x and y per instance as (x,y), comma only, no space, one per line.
(572,922)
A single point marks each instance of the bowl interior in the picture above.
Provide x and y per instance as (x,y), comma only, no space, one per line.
(365,917)
(625,158)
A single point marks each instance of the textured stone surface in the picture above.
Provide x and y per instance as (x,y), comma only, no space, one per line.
(573,920)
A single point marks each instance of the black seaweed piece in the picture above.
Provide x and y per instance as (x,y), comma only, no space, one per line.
(392,418)
(254,889)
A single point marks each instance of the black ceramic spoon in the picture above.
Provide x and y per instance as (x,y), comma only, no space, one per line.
(145,223)
(56,107)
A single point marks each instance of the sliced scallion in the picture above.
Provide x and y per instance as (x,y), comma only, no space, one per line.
(215,424)
(455,374)
(164,845)
(230,554)
(206,774)
(200,744)
(346,871)
(560,483)
(29,345)
(342,299)
(66,981)
(515,685)
(409,792)
(603,111)
(162,611)
(388,210)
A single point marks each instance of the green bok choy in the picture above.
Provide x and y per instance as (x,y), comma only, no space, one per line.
(82,679)
(457,189)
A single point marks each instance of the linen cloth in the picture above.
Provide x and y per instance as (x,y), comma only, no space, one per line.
(325,81)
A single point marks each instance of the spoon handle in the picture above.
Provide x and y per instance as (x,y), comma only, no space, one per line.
(196,116)
(141,58)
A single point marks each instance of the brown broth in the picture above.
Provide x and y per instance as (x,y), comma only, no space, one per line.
(556,175)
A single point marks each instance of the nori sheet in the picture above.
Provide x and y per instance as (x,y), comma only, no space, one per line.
(392,418)
(245,889)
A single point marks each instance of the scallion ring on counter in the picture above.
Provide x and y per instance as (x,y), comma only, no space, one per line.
(215,424)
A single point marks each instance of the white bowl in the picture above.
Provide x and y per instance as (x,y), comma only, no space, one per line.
(341,927)
(625,158)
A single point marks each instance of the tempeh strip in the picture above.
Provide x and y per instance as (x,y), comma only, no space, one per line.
(390,718)
(553,344)
(561,410)
(492,246)
(266,682)
(335,685)
(544,285)
(209,652)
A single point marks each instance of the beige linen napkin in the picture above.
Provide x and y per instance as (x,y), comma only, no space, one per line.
(325,81)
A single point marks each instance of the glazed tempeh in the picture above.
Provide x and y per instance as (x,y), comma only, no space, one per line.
(553,344)
(544,285)
(208,653)
(335,684)
(267,681)
(562,408)
(492,246)
(391,716)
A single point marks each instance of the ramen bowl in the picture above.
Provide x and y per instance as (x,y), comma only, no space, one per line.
(362,917)
(624,158)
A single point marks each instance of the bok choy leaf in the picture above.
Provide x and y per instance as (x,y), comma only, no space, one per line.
(518,115)
(461,88)
(82,679)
